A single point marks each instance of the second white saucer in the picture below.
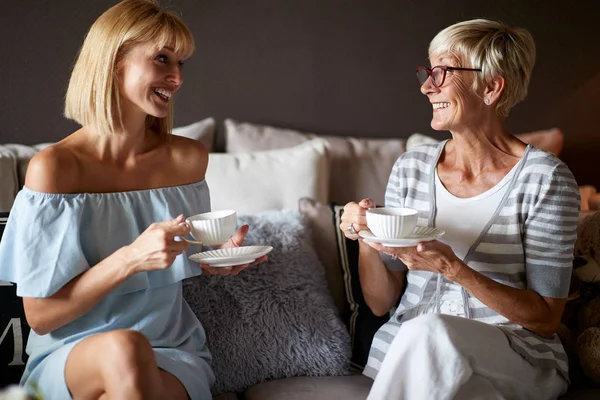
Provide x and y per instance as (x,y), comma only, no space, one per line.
(420,234)
(230,256)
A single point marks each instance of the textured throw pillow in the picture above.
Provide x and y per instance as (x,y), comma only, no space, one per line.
(203,131)
(268,180)
(359,167)
(550,140)
(362,323)
(13,329)
(276,319)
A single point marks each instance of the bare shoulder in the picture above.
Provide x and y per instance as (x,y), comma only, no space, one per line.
(190,158)
(53,170)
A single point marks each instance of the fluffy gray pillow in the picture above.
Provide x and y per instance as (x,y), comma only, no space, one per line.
(274,320)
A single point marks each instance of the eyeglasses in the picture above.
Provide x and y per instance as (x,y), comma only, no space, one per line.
(438,74)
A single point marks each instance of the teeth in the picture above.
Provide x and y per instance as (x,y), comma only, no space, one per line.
(440,105)
(164,93)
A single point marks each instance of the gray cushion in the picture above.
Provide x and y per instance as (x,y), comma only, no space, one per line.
(351,387)
(276,319)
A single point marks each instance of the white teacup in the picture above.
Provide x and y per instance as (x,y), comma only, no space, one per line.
(212,228)
(392,222)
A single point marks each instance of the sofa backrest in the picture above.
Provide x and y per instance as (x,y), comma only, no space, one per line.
(14,159)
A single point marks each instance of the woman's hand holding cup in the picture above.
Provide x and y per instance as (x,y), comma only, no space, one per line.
(156,248)
(211,228)
(354,217)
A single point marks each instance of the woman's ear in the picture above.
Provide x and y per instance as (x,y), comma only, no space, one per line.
(493,90)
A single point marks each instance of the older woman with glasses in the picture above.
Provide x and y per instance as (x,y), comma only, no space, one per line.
(478,309)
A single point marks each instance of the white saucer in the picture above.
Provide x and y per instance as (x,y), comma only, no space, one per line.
(230,257)
(420,234)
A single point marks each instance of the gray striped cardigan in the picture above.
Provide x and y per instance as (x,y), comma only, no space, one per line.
(527,244)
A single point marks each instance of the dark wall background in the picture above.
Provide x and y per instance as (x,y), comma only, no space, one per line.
(341,67)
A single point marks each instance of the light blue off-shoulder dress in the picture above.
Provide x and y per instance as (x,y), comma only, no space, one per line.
(51,238)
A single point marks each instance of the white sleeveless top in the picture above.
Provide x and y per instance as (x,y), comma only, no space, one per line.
(463,219)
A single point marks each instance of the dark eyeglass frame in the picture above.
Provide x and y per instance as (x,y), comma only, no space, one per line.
(443,68)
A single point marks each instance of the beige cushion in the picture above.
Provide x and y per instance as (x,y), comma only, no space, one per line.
(322,226)
(203,131)
(417,139)
(359,167)
(349,387)
(550,140)
(268,180)
(9,182)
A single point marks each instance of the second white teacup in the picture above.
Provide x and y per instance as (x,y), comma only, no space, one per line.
(392,222)
(212,228)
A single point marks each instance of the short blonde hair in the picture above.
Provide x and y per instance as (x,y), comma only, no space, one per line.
(499,50)
(93,96)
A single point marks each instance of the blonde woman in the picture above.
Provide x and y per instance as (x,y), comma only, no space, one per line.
(99,274)
(477,311)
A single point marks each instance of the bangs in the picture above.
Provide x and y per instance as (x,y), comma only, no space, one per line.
(166,30)
(454,46)
(174,34)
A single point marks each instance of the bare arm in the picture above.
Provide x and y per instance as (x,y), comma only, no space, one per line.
(524,307)
(381,287)
(527,308)
(77,297)
(155,249)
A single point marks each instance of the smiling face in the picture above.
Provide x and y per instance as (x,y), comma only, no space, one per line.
(148,78)
(455,105)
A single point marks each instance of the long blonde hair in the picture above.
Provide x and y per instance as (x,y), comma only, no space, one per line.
(93,97)
(499,50)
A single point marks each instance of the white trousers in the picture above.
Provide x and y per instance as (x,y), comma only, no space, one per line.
(438,357)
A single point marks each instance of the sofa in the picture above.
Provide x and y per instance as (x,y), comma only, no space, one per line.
(295,327)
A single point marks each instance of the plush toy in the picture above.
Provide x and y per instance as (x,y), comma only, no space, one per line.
(581,330)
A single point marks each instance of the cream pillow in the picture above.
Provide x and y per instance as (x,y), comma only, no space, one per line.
(359,167)
(9,184)
(550,140)
(417,139)
(202,131)
(268,180)
(23,154)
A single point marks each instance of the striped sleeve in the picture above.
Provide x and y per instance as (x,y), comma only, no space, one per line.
(549,234)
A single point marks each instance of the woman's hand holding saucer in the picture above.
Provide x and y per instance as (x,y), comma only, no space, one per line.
(235,241)
(432,256)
